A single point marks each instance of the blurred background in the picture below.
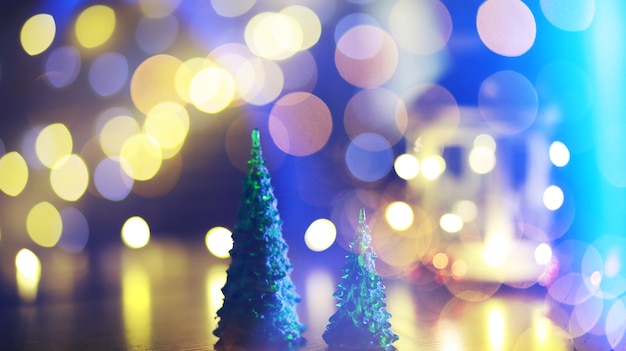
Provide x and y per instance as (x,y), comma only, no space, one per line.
(484,139)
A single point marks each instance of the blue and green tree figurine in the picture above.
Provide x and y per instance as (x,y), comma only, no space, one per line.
(361,321)
(259,310)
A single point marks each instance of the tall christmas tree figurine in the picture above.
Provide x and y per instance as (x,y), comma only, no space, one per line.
(260,300)
(361,320)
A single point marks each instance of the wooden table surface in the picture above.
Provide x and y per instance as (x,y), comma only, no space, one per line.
(165,296)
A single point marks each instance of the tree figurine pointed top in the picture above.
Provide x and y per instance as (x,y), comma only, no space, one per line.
(361,320)
(259,296)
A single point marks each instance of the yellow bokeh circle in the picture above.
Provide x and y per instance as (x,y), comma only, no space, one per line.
(13,173)
(44,224)
(95,25)
(53,143)
(141,157)
(37,34)
(135,232)
(219,241)
(168,123)
(69,178)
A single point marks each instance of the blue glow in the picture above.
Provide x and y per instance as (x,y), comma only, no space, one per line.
(608,117)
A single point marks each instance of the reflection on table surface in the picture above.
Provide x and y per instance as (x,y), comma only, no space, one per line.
(166,295)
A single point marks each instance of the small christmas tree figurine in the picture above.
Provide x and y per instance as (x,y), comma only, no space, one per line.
(259,296)
(361,321)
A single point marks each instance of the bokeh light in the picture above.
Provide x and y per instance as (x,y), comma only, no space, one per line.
(486,141)
(300,73)
(615,325)
(553,197)
(352,20)
(559,154)
(168,123)
(482,160)
(252,85)
(69,177)
(115,132)
(108,73)
(37,33)
(228,8)
(28,148)
(366,56)
(376,111)
(135,232)
(451,223)
(186,72)
(62,66)
(154,81)
(320,235)
(309,24)
(609,261)
(571,287)
(111,181)
(398,250)
(565,89)
(496,328)
(212,89)
(421,27)
(466,209)
(508,101)
(458,269)
(369,157)
(495,250)
(27,263)
(141,157)
(433,166)
(44,224)
(440,260)
(155,35)
(75,232)
(543,254)
(569,15)
(95,26)
(158,8)
(219,241)
(506,27)
(399,215)
(353,43)
(300,123)
(432,107)
(406,166)
(13,173)
(163,181)
(275,36)
(585,316)
(27,275)
(53,143)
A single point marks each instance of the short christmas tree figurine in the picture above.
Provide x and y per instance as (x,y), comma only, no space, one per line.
(361,320)
(260,300)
